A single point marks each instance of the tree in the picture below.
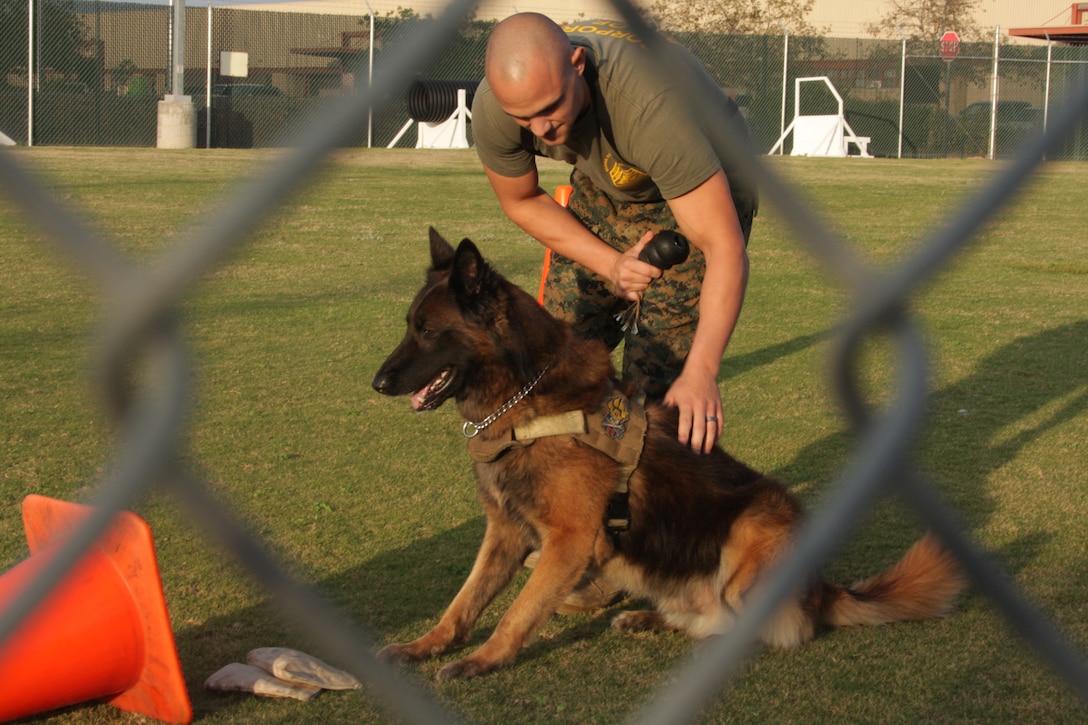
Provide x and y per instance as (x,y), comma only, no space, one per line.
(735,17)
(928,19)
(58,33)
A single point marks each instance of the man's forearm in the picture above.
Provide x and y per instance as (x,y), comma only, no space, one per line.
(720,301)
(553,226)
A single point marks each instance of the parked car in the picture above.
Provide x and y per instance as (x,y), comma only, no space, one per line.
(1017,122)
(240,90)
(1010,114)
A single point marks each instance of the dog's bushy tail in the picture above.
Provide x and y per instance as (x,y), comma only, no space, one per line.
(924,584)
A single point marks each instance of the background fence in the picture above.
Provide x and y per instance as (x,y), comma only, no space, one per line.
(99,69)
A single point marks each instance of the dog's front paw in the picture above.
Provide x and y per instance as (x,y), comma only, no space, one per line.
(464,669)
(402,654)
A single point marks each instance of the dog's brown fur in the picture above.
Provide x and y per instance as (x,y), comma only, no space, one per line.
(704,528)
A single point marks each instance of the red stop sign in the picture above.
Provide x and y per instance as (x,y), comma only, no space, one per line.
(950,45)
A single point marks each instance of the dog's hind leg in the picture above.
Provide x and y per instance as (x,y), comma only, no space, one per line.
(645,620)
(693,606)
(498,560)
(757,546)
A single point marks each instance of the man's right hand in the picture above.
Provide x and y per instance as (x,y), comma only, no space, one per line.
(630,275)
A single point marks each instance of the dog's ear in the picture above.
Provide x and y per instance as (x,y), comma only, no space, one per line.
(441,252)
(469,277)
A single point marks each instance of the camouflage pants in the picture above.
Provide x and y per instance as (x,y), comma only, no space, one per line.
(669,311)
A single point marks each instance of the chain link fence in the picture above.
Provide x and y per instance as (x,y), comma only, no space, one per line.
(90,72)
(138,319)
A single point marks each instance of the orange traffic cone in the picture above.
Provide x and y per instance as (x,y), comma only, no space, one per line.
(102,633)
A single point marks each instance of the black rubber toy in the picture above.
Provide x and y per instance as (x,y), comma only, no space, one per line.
(665,250)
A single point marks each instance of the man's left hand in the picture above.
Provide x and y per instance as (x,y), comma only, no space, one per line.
(699,402)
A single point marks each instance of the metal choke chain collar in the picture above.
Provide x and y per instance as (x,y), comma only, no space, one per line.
(471,430)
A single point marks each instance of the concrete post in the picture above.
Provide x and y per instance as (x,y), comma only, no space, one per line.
(177,114)
(177,123)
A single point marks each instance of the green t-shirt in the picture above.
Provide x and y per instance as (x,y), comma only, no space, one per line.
(638,141)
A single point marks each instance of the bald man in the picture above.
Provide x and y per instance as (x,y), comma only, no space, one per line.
(644,160)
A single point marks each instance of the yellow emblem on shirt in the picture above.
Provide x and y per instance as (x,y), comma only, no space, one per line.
(623,176)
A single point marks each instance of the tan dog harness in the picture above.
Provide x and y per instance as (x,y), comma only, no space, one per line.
(617,429)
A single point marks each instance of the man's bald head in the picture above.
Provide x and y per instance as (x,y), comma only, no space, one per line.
(535,74)
(522,47)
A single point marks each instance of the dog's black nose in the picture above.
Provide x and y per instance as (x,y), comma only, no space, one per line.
(383,382)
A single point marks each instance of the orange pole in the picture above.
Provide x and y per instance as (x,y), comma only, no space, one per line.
(103,632)
(562,195)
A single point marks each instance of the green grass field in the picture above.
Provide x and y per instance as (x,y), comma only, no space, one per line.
(375,505)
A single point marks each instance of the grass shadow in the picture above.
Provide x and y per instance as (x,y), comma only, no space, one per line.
(737,365)
(402,590)
(975,426)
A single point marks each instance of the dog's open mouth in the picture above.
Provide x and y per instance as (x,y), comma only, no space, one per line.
(430,396)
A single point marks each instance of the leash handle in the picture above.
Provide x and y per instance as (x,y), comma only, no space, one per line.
(666,250)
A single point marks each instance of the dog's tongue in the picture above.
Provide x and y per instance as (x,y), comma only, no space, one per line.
(419,398)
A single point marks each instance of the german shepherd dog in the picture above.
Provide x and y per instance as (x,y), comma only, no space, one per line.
(703,529)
